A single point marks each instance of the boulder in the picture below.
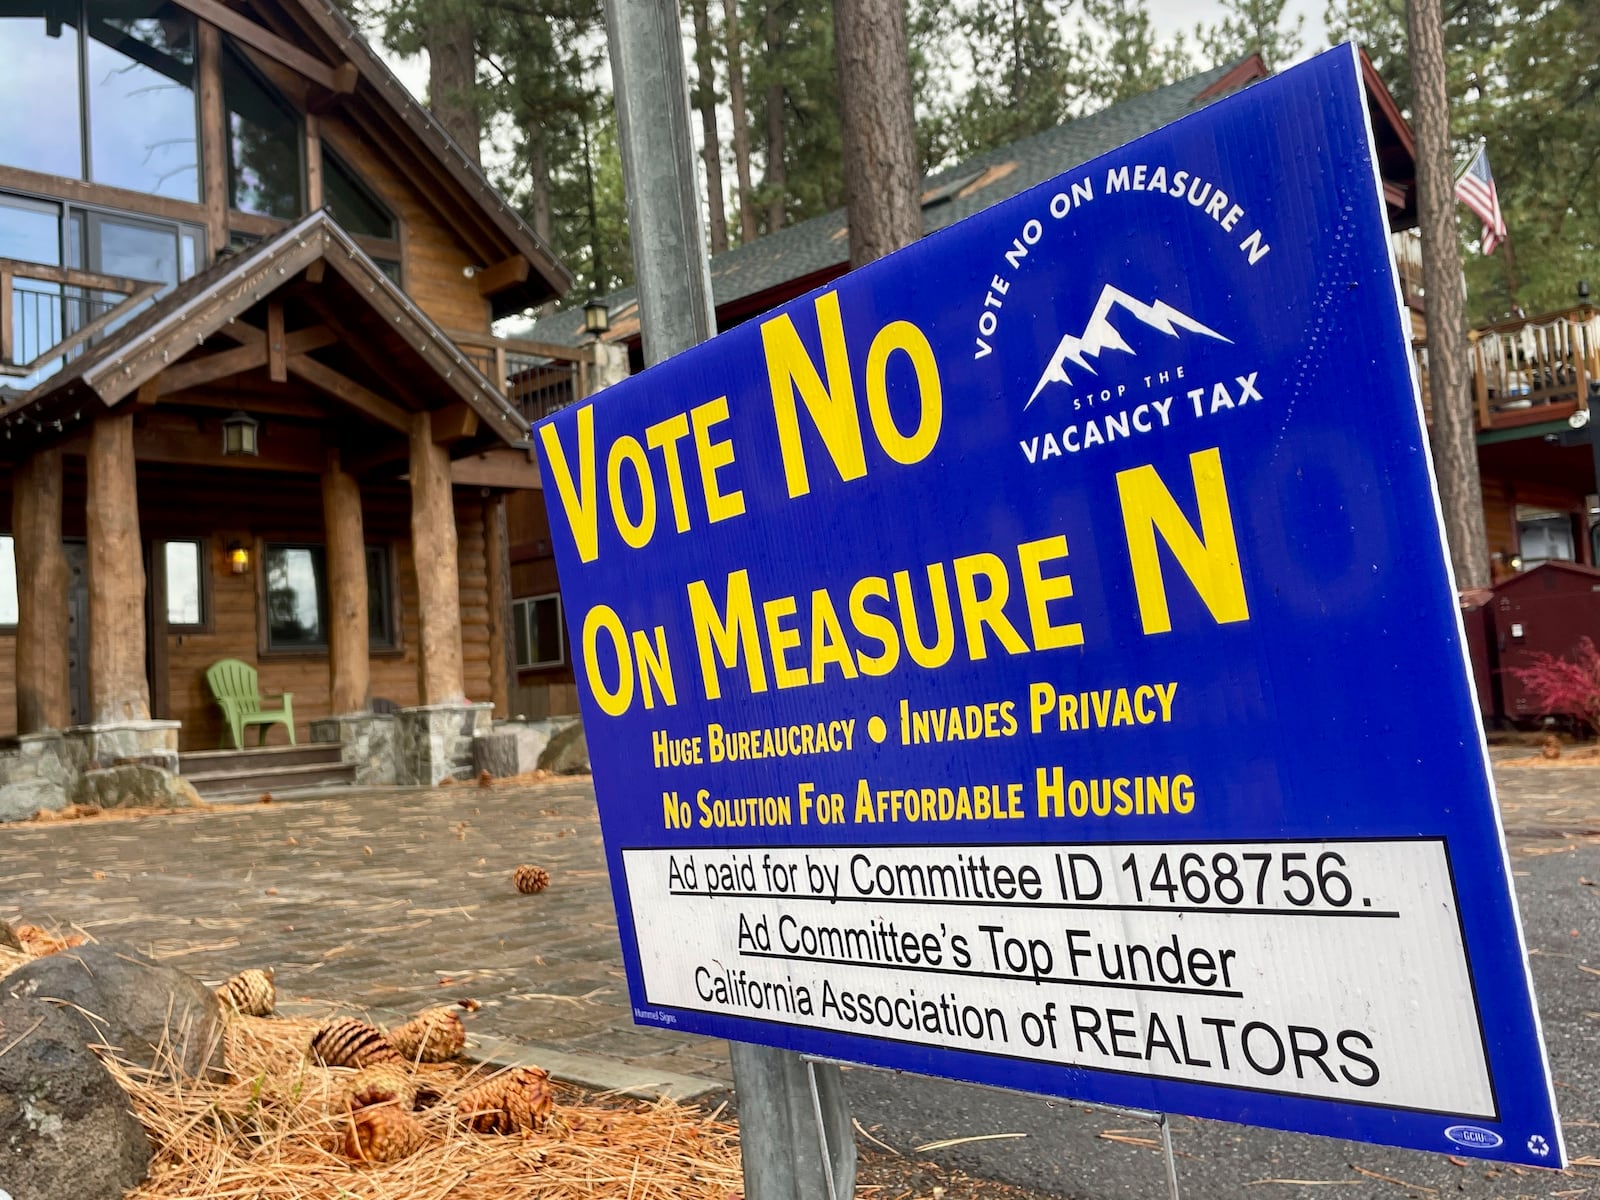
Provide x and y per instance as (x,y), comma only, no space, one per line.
(152,1015)
(65,1129)
(131,784)
(567,752)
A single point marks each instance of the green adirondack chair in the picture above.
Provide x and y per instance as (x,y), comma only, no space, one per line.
(233,683)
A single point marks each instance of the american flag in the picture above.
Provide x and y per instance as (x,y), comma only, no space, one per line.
(1475,189)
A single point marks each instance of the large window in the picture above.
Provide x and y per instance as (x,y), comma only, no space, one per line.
(8,582)
(297,597)
(102,90)
(536,630)
(183,583)
(352,203)
(265,141)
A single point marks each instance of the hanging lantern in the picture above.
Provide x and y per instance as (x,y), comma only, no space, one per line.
(239,434)
(596,316)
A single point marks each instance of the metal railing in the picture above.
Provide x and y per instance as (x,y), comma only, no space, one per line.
(536,377)
(49,314)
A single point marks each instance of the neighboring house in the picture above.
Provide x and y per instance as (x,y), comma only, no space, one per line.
(1530,376)
(253,407)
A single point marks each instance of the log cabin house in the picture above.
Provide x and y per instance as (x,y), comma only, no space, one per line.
(253,406)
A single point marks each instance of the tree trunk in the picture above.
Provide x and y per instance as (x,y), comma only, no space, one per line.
(539,169)
(705,99)
(1454,437)
(878,128)
(453,79)
(741,122)
(1508,260)
(777,169)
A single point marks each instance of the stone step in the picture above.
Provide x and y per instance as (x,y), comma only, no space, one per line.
(263,758)
(250,783)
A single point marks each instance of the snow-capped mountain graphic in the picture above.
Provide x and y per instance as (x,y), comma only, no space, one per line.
(1100,334)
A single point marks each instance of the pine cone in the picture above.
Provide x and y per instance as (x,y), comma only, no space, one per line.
(485,779)
(249,992)
(382,1134)
(434,1035)
(518,1100)
(382,1085)
(346,1042)
(1551,746)
(530,880)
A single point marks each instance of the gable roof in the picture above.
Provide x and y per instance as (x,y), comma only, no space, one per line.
(753,277)
(212,303)
(402,122)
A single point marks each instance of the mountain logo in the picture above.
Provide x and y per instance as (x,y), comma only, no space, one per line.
(1100,335)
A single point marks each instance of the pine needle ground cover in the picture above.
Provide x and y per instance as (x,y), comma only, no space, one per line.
(282,1129)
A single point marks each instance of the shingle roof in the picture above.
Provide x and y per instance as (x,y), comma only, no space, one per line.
(821,243)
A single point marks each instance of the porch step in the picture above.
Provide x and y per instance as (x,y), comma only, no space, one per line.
(225,774)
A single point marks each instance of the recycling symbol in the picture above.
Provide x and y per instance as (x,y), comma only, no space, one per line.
(1537,1145)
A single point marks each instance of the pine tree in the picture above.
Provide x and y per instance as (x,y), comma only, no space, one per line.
(1126,61)
(1251,27)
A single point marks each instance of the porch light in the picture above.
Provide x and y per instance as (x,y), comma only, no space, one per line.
(239,434)
(596,316)
(238,558)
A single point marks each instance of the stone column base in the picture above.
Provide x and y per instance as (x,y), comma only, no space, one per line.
(436,740)
(114,765)
(369,740)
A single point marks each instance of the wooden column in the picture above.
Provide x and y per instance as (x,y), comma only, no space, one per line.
(349,670)
(213,140)
(433,543)
(118,690)
(44,700)
(502,643)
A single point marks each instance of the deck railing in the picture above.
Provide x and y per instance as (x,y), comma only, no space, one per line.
(536,377)
(48,314)
(1531,369)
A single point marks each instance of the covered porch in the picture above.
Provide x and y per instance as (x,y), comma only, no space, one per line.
(282,462)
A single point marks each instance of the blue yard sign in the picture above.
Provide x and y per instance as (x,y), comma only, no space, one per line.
(1033,660)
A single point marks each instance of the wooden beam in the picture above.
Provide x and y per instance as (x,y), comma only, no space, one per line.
(313,162)
(43,699)
(342,387)
(118,690)
(277,365)
(502,641)
(60,188)
(503,467)
(227,399)
(315,271)
(349,667)
(178,439)
(263,39)
(212,367)
(148,392)
(371,458)
(433,543)
(7,320)
(213,139)
(454,423)
(503,274)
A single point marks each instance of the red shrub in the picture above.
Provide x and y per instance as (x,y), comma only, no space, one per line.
(1568,686)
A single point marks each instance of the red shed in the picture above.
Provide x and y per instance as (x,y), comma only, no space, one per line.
(1548,609)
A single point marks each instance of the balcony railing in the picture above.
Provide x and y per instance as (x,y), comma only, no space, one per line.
(1529,370)
(49,314)
(536,377)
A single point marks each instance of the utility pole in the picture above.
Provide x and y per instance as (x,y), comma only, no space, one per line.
(794,1126)
(1455,435)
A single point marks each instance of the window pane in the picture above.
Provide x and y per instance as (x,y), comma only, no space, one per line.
(390,268)
(8,581)
(294,597)
(142,123)
(351,204)
(136,249)
(39,88)
(264,141)
(183,583)
(547,630)
(31,231)
(380,607)
(519,628)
